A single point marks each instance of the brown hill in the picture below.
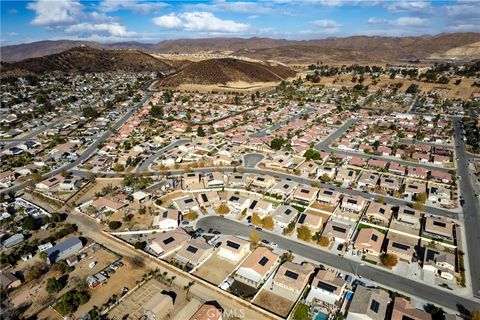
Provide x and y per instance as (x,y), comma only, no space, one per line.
(87,59)
(375,49)
(223,71)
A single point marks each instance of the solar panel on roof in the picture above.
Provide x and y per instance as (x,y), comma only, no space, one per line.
(352,201)
(204,197)
(439,224)
(260,179)
(192,249)
(339,229)
(302,218)
(304,191)
(326,286)
(374,306)
(431,254)
(381,210)
(234,198)
(410,212)
(291,274)
(374,237)
(288,211)
(233,245)
(168,240)
(165,214)
(188,200)
(254,203)
(285,186)
(263,261)
(328,192)
(400,246)
(405,317)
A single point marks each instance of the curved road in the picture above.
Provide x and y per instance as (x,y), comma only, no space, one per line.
(383,277)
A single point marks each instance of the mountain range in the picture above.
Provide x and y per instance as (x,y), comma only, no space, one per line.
(350,49)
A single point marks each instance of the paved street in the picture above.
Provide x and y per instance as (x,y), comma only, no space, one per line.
(91,149)
(144,166)
(388,279)
(263,133)
(325,146)
(471,210)
(250,160)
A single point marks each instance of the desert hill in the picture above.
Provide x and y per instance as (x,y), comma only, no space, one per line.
(223,71)
(87,59)
(349,49)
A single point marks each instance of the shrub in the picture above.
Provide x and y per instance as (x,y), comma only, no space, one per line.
(114,225)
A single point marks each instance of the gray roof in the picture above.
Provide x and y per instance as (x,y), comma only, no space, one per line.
(371,302)
(64,249)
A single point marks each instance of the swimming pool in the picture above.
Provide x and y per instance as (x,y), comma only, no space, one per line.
(321,316)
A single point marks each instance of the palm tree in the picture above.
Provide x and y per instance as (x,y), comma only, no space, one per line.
(171,280)
(188,286)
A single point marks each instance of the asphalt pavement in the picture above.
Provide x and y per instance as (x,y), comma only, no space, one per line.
(385,278)
(471,210)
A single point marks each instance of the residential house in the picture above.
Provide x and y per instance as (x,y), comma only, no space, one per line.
(263,182)
(396,168)
(353,203)
(368,180)
(368,304)
(214,180)
(9,281)
(208,198)
(326,288)
(379,213)
(440,263)
(186,204)
(327,170)
(403,309)
(402,250)
(308,168)
(193,253)
(370,241)
(417,172)
(238,202)
(305,194)
(107,204)
(64,249)
(190,180)
(409,216)
(167,242)
(284,215)
(257,267)
(337,231)
(439,227)
(168,219)
(260,207)
(293,277)
(414,188)
(237,180)
(346,175)
(208,311)
(439,194)
(328,197)
(233,249)
(283,189)
(390,184)
(50,183)
(312,221)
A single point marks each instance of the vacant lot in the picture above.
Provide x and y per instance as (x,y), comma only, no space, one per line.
(274,303)
(215,270)
(131,307)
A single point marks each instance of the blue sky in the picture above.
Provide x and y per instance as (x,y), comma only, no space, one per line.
(153,21)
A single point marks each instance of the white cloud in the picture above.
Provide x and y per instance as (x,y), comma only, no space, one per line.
(111,29)
(235,6)
(169,21)
(55,12)
(136,6)
(376,21)
(254,16)
(465,27)
(13,34)
(200,21)
(327,26)
(408,6)
(409,22)
(13,11)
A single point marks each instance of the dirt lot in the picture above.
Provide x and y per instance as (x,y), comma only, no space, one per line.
(215,270)
(132,305)
(274,303)
(99,184)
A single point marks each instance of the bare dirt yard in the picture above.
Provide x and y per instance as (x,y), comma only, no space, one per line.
(214,270)
(274,303)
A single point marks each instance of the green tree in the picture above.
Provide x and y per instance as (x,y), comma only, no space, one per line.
(254,237)
(53,285)
(389,260)
(304,233)
(29,223)
(200,131)
(277,143)
(114,225)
